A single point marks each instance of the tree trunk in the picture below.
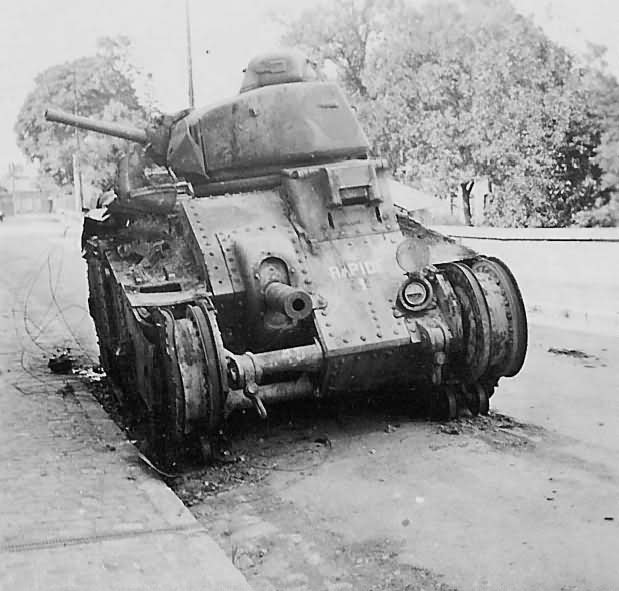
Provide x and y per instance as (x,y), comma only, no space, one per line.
(466,201)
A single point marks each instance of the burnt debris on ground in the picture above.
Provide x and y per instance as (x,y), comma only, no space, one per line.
(575,353)
(298,436)
(61,362)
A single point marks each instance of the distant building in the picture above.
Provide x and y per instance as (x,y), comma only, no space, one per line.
(425,208)
(25,196)
(431,209)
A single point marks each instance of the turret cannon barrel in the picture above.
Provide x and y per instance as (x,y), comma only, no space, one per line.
(127,132)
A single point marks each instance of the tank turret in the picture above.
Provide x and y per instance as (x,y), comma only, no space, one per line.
(282,118)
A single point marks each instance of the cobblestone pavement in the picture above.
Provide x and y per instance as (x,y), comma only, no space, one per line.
(77,510)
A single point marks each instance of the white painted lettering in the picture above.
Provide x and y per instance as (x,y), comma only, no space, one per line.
(354,269)
(371,267)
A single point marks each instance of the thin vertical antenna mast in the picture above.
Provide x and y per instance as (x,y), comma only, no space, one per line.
(189,60)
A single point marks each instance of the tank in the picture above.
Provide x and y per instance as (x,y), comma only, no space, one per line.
(272,264)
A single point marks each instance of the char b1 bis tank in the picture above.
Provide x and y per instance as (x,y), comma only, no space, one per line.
(273,265)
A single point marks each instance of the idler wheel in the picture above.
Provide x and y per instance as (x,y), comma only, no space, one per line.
(168,413)
(509,319)
(214,395)
(477,399)
(473,360)
(192,387)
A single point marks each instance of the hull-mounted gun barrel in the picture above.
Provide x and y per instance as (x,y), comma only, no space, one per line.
(294,303)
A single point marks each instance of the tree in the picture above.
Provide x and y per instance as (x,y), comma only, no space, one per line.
(100,86)
(344,34)
(603,98)
(450,92)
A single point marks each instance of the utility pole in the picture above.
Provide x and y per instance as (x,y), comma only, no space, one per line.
(77,169)
(189,60)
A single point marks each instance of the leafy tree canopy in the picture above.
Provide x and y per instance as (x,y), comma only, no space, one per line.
(100,86)
(450,92)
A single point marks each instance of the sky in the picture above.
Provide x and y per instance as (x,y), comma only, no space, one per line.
(37,34)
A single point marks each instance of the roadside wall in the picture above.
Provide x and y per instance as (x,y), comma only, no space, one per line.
(28,202)
(567,276)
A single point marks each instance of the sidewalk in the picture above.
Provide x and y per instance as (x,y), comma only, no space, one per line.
(78,511)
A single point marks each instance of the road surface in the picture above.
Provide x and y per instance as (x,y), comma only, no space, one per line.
(363,496)
(527,501)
